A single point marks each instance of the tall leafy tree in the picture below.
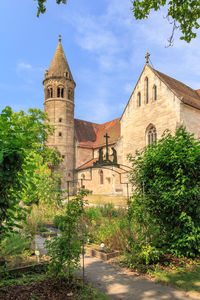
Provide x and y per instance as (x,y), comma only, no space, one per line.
(184,15)
(166,177)
(20,133)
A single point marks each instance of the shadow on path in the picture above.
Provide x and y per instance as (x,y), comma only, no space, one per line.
(118,285)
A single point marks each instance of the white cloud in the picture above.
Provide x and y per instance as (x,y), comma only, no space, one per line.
(24,66)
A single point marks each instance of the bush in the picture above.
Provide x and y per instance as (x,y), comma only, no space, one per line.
(166,177)
(15,248)
(65,250)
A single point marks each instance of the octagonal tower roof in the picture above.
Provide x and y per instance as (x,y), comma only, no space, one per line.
(59,65)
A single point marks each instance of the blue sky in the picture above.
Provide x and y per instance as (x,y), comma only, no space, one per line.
(105,48)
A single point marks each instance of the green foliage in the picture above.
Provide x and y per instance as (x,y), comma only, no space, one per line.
(41,214)
(20,134)
(40,183)
(42,7)
(107,225)
(144,254)
(14,244)
(185,13)
(166,205)
(15,248)
(65,250)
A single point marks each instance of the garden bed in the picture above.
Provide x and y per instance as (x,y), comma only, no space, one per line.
(97,251)
(36,286)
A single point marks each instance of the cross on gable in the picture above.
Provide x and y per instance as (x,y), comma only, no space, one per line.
(107,154)
(147,57)
(107,137)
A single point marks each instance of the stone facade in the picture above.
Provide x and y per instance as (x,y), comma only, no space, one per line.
(158,102)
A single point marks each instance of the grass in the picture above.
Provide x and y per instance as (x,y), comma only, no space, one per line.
(105,199)
(181,277)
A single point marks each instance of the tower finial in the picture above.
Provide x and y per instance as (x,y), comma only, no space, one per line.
(59,38)
(147,57)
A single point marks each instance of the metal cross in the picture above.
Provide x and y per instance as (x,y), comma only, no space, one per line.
(107,137)
(147,57)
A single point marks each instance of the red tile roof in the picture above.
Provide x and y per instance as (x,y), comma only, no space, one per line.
(87,164)
(91,135)
(184,92)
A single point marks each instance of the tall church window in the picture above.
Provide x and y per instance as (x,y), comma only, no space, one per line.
(101,177)
(146,90)
(155,92)
(151,134)
(49,92)
(139,99)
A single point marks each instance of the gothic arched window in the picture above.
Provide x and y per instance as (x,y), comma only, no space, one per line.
(155,92)
(139,99)
(101,177)
(146,90)
(151,134)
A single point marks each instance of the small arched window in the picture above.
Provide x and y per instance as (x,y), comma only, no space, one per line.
(101,177)
(155,92)
(60,120)
(139,99)
(146,90)
(49,92)
(151,134)
(60,92)
(60,134)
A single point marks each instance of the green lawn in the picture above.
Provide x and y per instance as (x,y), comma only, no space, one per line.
(188,280)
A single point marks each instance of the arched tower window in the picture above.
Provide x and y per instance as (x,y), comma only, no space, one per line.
(49,92)
(60,92)
(151,134)
(139,99)
(146,90)
(101,177)
(154,92)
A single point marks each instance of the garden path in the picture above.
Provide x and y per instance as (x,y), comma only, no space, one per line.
(120,284)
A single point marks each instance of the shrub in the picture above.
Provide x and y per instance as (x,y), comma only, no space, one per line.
(65,250)
(166,177)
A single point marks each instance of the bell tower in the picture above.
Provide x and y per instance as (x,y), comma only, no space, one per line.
(59,88)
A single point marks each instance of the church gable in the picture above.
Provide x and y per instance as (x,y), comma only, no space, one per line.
(152,107)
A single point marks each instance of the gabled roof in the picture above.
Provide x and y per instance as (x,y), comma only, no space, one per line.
(186,94)
(91,135)
(59,65)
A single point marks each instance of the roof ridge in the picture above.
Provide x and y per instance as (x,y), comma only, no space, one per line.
(86,121)
(174,79)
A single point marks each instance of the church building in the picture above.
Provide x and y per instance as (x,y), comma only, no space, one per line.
(95,155)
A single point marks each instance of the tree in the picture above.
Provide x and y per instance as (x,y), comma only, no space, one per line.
(20,133)
(184,15)
(42,7)
(166,177)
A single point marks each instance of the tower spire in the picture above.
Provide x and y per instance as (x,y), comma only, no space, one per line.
(59,65)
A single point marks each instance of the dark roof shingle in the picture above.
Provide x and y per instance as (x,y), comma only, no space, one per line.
(185,93)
